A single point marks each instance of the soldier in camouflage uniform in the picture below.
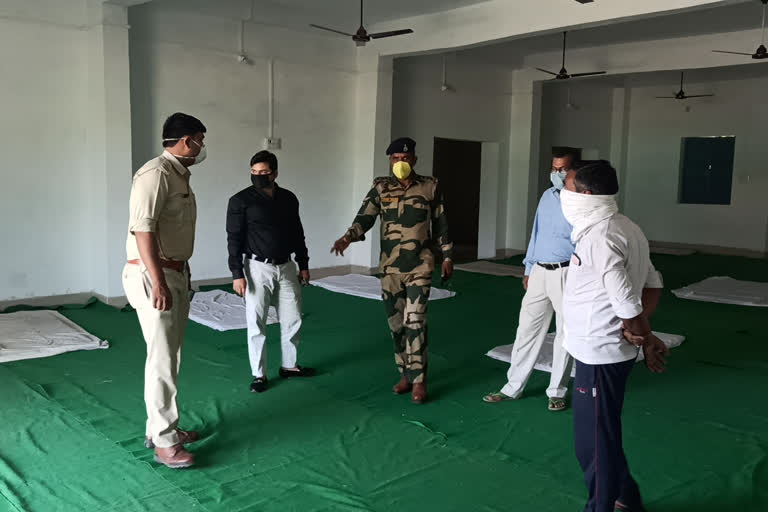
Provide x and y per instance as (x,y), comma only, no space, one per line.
(413,226)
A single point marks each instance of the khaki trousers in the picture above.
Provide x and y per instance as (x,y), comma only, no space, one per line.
(164,336)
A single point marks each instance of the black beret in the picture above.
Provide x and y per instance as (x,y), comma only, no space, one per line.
(402,145)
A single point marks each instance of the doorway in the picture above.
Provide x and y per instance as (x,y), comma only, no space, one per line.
(457,163)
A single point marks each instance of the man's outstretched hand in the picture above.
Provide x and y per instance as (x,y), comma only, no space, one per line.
(340,245)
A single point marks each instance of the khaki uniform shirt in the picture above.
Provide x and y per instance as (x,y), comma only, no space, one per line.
(163,203)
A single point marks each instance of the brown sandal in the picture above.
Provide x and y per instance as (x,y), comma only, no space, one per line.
(557,404)
(496,397)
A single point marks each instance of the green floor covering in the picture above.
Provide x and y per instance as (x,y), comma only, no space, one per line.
(72,424)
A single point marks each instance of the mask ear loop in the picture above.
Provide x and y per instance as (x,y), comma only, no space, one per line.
(179,138)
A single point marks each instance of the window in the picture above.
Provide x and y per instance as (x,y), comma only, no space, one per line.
(706,170)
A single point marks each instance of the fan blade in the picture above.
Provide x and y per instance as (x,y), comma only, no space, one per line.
(548,72)
(331,30)
(391,33)
(575,75)
(733,53)
(700,96)
(666,97)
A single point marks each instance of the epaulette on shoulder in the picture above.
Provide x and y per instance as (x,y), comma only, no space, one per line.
(154,165)
(381,180)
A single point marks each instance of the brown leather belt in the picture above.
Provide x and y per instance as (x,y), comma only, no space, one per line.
(178,266)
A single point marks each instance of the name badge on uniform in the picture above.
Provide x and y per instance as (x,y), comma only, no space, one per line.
(575,260)
(392,201)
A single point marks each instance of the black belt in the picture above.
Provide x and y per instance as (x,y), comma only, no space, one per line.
(554,266)
(270,261)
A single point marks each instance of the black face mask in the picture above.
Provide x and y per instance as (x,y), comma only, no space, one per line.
(261,180)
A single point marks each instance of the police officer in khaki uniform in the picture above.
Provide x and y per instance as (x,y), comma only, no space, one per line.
(161,236)
(413,227)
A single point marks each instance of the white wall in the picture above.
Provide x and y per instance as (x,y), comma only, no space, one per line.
(181,61)
(655,131)
(44,197)
(585,124)
(68,148)
(655,128)
(477,109)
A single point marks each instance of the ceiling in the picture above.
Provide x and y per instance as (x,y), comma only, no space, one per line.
(731,18)
(341,14)
(347,11)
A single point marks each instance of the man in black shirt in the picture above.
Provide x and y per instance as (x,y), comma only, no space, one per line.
(263,225)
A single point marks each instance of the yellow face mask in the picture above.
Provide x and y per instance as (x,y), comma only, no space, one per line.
(401,170)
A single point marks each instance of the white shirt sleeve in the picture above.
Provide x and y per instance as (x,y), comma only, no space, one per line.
(609,263)
(654,279)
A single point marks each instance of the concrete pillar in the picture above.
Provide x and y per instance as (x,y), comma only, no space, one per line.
(373,130)
(109,142)
(522,184)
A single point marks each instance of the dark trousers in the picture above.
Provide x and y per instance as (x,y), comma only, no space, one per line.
(598,398)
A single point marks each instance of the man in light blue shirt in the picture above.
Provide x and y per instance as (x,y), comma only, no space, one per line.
(546,267)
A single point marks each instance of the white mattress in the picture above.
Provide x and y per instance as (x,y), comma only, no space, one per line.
(34,334)
(222,311)
(494,269)
(725,290)
(367,287)
(544,363)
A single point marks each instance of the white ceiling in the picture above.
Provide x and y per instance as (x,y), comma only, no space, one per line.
(731,18)
(348,11)
(344,15)
(341,14)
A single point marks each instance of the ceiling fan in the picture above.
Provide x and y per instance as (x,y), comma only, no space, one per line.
(362,36)
(680,95)
(563,74)
(761,52)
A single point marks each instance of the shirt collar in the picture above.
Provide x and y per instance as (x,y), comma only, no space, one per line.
(176,164)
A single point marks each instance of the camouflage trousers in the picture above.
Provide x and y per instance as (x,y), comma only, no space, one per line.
(405,298)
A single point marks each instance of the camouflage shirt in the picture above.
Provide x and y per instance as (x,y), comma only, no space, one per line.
(413,224)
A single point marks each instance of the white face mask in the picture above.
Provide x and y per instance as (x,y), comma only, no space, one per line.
(582,211)
(202,155)
(558,179)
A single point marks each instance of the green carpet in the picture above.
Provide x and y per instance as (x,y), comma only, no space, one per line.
(695,436)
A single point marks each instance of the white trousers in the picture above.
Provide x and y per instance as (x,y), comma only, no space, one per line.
(276,285)
(544,297)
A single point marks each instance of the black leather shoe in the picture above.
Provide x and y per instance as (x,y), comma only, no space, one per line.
(301,371)
(259,385)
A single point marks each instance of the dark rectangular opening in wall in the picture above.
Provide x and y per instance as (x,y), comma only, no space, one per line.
(706,170)
(456,164)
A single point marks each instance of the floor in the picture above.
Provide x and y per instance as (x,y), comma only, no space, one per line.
(695,436)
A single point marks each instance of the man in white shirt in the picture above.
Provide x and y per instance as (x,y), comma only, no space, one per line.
(611,291)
